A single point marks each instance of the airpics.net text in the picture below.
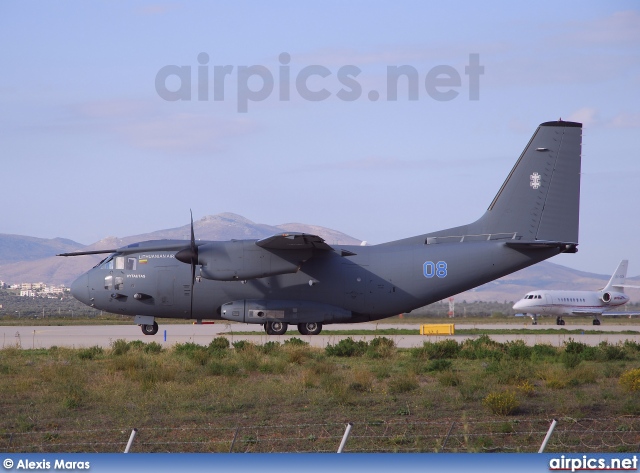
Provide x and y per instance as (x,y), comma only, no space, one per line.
(313,83)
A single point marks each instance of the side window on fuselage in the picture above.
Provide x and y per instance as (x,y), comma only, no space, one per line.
(132,263)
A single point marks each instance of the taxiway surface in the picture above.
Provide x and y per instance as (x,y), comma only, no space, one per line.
(83,336)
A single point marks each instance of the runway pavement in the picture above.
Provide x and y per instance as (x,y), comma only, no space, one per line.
(30,337)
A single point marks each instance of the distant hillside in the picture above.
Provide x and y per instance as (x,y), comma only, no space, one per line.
(28,259)
(15,248)
(545,275)
(38,263)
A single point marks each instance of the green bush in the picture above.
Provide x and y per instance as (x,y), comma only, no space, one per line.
(502,403)
(136,344)
(90,353)
(270,347)
(481,348)
(119,347)
(543,351)
(439,365)
(152,347)
(574,347)
(294,341)
(570,360)
(402,384)
(518,350)
(219,344)
(193,351)
(242,345)
(381,347)
(218,368)
(449,378)
(612,352)
(347,347)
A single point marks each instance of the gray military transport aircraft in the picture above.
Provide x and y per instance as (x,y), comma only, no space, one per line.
(297,278)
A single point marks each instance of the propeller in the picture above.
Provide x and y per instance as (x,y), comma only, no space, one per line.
(190,256)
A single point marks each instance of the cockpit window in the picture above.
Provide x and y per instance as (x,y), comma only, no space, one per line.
(108,282)
(119,262)
(107,263)
(131,263)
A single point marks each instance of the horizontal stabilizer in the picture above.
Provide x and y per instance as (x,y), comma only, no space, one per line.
(540,244)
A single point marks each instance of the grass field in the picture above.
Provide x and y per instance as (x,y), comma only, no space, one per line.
(477,395)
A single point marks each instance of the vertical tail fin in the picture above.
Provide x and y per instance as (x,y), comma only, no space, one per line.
(540,198)
(619,277)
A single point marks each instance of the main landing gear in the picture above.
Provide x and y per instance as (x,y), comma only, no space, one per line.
(276,328)
(596,321)
(312,328)
(280,328)
(559,321)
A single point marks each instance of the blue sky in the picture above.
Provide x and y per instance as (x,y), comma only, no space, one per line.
(88,147)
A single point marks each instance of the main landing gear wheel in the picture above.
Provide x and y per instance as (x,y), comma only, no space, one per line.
(276,328)
(313,328)
(596,322)
(150,329)
(559,321)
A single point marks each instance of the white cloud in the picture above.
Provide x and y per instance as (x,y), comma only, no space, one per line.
(145,125)
(585,115)
(625,120)
(620,29)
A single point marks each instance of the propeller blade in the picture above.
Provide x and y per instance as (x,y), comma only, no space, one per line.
(189,255)
(194,261)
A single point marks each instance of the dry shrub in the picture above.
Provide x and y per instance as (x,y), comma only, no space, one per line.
(630,380)
(502,403)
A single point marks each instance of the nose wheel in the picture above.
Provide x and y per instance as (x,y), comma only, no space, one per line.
(149,329)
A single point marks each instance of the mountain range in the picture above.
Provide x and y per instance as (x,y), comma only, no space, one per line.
(29,259)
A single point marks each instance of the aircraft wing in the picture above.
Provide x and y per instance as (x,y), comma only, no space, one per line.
(293,241)
(604,313)
(587,312)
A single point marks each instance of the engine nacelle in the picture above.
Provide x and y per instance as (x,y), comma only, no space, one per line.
(291,312)
(242,259)
(614,298)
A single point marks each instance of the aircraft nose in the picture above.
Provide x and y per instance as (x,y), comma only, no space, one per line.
(80,289)
(518,305)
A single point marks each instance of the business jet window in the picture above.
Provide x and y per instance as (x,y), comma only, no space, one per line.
(131,264)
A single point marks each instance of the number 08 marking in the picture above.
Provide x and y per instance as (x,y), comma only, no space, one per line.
(438,269)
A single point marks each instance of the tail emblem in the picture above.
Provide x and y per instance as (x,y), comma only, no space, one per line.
(535,180)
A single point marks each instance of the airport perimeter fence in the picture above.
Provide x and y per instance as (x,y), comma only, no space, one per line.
(606,435)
